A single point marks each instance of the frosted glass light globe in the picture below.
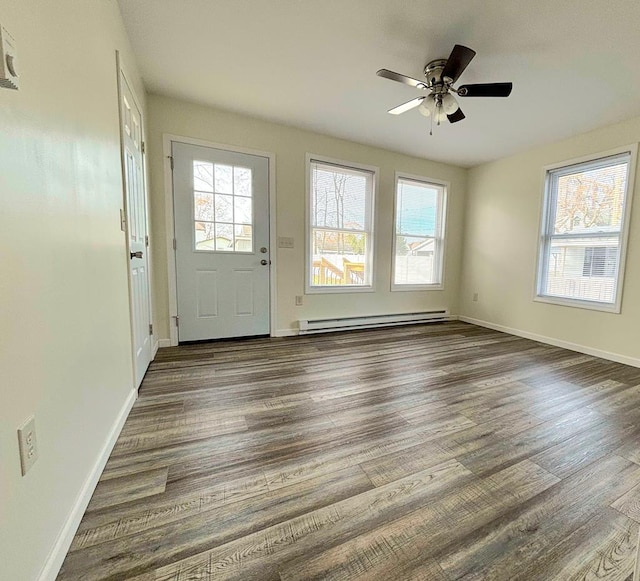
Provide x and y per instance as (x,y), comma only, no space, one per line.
(449,104)
(428,106)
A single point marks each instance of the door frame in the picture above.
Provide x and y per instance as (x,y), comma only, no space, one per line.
(167,140)
(121,71)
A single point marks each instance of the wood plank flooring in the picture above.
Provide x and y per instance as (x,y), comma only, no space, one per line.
(434,452)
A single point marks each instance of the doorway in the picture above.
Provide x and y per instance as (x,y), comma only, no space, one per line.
(136,226)
(222,242)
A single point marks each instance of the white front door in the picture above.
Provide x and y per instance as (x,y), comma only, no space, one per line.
(131,120)
(221,212)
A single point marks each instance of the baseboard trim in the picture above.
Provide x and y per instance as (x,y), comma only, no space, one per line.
(634,362)
(286,333)
(59,551)
(164,343)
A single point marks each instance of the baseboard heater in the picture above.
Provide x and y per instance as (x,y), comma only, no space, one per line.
(345,323)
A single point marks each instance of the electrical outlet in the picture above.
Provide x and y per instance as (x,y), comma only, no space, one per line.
(298,300)
(28,444)
(475,297)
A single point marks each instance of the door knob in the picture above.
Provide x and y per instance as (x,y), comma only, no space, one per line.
(264,262)
(136,254)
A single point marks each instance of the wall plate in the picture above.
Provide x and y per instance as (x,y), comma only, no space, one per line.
(285,242)
(28,444)
(9,73)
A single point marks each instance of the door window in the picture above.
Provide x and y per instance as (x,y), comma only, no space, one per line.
(222,207)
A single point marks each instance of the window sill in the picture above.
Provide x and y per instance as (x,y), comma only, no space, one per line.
(578,304)
(328,290)
(416,287)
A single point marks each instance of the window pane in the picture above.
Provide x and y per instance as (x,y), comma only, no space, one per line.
(203,206)
(243,238)
(339,258)
(224,208)
(417,206)
(419,214)
(224,175)
(415,260)
(241,181)
(242,210)
(583,269)
(591,200)
(224,237)
(203,176)
(339,197)
(205,236)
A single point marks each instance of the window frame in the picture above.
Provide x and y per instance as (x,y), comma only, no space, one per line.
(441,232)
(545,229)
(371,217)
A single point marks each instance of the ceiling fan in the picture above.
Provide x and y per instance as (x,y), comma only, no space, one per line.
(440,75)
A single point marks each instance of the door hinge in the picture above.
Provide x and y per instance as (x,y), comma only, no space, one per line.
(170,161)
(177,320)
(144,148)
(146,240)
(150,328)
(175,245)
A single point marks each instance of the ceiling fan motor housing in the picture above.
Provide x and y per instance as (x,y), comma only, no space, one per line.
(435,80)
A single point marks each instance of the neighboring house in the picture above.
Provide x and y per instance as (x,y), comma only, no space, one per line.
(584,266)
(421,247)
(205,241)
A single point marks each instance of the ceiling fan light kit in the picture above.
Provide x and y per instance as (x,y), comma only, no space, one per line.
(434,107)
(440,76)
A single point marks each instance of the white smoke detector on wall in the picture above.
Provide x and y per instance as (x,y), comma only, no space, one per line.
(8,61)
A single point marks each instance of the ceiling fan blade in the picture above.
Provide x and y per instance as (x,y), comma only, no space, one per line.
(457,62)
(387,74)
(406,106)
(486,90)
(456,116)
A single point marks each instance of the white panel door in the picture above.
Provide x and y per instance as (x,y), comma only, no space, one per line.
(131,120)
(221,212)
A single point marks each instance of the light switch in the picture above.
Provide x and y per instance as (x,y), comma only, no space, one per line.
(9,72)
(285,242)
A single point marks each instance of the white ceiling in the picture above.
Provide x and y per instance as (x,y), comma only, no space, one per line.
(575,65)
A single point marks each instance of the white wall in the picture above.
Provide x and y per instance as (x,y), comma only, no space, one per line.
(290,145)
(502,221)
(65,352)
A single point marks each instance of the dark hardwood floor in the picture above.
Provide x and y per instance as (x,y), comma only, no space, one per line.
(433,452)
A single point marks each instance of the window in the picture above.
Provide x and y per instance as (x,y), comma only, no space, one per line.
(222,207)
(418,233)
(600,261)
(340,244)
(585,221)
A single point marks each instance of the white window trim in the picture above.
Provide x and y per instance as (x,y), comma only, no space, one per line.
(615,307)
(442,234)
(308,288)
